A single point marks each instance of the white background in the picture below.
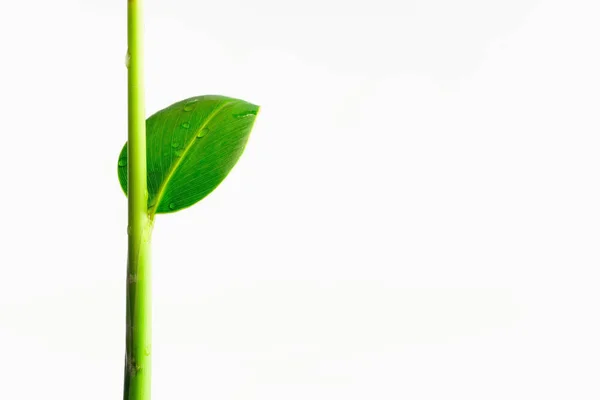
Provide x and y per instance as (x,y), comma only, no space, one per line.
(416,216)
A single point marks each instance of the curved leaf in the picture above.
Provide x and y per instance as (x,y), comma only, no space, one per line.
(191,147)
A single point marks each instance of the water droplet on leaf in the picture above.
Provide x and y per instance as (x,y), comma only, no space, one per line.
(190,105)
(203,132)
(245,114)
(178,153)
(174,145)
(172,206)
(127,58)
(123,162)
(185,125)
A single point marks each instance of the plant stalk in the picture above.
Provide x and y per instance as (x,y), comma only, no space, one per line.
(139,284)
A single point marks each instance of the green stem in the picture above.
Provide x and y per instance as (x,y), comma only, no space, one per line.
(139,283)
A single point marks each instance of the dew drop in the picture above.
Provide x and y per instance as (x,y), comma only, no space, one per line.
(127,58)
(123,162)
(203,132)
(172,206)
(245,114)
(178,153)
(190,105)
(185,125)
(174,145)
(147,351)
(129,230)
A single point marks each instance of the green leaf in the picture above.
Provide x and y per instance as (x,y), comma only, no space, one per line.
(190,147)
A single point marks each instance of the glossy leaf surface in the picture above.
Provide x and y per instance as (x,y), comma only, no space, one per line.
(191,146)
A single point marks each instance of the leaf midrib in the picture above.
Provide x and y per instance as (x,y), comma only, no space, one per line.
(161,190)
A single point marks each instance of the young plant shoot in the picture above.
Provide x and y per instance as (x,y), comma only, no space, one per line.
(170,162)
